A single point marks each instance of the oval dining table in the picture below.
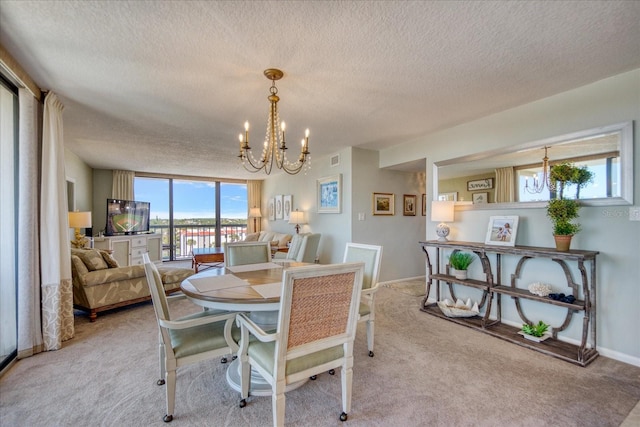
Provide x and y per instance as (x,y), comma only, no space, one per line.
(253,289)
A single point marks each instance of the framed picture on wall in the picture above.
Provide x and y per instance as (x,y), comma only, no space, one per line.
(409,205)
(329,195)
(287,204)
(272,209)
(383,204)
(480,198)
(424,205)
(448,197)
(279,207)
(502,230)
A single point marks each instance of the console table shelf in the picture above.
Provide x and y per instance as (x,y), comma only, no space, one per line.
(492,287)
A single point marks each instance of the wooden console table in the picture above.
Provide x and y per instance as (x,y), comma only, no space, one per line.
(492,287)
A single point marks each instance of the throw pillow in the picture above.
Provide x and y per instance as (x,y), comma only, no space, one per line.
(252,237)
(111,261)
(91,258)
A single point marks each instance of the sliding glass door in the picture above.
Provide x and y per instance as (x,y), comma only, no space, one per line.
(8,214)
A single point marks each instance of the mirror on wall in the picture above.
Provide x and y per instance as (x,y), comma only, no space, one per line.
(514,177)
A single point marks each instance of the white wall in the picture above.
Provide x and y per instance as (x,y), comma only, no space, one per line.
(605,229)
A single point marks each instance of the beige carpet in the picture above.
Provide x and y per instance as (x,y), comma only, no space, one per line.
(426,371)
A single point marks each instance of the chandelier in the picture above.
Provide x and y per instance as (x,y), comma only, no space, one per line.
(274,150)
(540,182)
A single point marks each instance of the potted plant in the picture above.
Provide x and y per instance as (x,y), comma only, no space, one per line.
(460,261)
(536,332)
(563,211)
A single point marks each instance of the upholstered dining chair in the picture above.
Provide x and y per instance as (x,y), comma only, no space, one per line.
(315,333)
(303,248)
(371,256)
(201,336)
(241,253)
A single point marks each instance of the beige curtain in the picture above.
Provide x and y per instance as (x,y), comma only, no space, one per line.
(122,187)
(254,199)
(504,185)
(55,259)
(28,292)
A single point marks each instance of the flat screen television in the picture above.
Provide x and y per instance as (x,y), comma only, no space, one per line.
(127,217)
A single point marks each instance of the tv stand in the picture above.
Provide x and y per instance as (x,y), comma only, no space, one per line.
(492,287)
(128,249)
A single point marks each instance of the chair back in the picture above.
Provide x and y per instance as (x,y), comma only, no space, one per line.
(304,247)
(158,297)
(370,255)
(319,310)
(241,253)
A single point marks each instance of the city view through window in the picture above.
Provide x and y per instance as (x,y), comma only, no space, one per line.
(193,215)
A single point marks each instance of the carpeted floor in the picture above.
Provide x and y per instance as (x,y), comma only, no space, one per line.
(426,371)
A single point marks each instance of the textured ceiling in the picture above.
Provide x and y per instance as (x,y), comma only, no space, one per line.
(165,86)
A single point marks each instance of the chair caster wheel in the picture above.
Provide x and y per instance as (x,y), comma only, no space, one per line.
(332,371)
(234,357)
(343,416)
(371,354)
(313,377)
(243,403)
(167,418)
(160,382)
(223,360)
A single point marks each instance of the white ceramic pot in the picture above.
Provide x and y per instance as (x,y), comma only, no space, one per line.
(460,274)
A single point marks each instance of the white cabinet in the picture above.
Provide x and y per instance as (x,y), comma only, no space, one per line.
(128,250)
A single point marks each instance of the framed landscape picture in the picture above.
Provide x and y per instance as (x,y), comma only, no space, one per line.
(383,204)
(329,195)
(502,230)
(409,205)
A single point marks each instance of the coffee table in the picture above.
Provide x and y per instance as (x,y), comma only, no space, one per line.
(207,257)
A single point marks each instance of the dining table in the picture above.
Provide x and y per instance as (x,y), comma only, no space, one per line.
(252,288)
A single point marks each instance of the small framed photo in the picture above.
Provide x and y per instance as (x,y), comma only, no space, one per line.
(424,205)
(329,191)
(480,198)
(383,204)
(409,205)
(448,197)
(287,203)
(279,208)
(272,209)
(502,230)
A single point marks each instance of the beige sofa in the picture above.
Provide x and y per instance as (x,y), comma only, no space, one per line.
(99,284)
(277,240)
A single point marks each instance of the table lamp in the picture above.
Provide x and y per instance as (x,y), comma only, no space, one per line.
(297,217)
(255,213)
(442,211)
(79,220)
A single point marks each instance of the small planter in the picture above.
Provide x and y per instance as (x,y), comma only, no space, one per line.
(534,338)
(562,242)
(460,274)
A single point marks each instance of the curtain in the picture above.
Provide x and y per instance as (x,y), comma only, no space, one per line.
(55,258)
(122,187)
(254,198)
(504,185)
(28,292)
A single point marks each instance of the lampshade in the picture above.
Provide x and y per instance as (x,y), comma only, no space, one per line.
(442,211)
(297,217)
(79,219)
(255,213)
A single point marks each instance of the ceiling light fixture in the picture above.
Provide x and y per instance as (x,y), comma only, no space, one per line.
(539,183)
(274,151)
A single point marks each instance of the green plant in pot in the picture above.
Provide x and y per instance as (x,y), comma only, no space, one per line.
(537,330)
(460,261)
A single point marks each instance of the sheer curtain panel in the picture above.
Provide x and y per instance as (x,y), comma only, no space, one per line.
(55,258)
(254,197)
(504,185)
(122,187)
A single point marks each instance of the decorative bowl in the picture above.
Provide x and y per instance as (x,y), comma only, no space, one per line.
(459,309)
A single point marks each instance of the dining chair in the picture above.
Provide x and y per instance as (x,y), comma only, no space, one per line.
(371,256)
(241,253)
(303,248)
(315,332)
(200,336)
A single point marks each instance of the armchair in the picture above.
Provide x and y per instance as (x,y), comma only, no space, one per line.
(190,339)
(370,255)
(315,333)
(303,248)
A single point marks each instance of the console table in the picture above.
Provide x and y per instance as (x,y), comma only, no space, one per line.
(584,290)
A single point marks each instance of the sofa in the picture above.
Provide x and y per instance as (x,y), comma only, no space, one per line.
(100,284)
(277,240)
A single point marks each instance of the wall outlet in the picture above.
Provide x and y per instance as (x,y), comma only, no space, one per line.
(634,213)
(361,216)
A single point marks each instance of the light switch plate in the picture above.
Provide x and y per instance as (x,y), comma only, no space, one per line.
(361,216)
(634,213)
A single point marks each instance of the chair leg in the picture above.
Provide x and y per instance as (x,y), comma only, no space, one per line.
(162,363)
(370,336)
(278,404)
(347,378)
(171,394)
(245,379)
